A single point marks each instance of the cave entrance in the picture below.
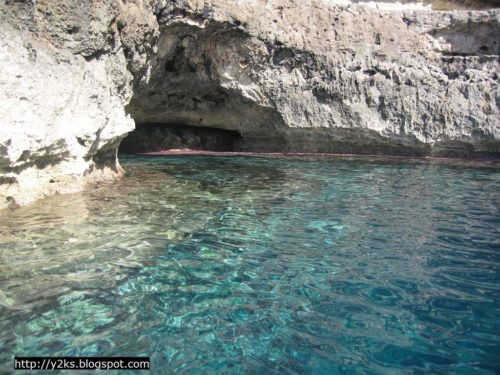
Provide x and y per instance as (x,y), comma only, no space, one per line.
(188,101)
(159,137)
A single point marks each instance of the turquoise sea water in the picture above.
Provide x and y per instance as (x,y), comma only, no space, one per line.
(261,265)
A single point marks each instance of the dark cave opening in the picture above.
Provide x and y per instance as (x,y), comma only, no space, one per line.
(160,137)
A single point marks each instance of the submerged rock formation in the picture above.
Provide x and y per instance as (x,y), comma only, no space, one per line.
(286,75)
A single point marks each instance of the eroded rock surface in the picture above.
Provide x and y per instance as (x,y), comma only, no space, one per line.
(321,77)
(286,75)
(66,72)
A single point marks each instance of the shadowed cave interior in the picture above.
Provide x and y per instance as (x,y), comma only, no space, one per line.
(158,137)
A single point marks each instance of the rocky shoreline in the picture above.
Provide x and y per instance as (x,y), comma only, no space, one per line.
(315,76)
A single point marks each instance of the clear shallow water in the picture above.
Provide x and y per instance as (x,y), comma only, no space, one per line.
(254,265)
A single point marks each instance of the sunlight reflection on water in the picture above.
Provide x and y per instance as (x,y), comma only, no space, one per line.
(236,265)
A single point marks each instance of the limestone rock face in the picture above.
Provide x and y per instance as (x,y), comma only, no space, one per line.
(286,75)
(322,77)
(66,72)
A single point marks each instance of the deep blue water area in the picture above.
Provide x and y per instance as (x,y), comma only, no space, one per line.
(241,265)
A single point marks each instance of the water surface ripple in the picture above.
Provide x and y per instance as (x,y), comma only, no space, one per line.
(261,265)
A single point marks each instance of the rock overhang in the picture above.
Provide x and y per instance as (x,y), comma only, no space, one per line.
(401,84)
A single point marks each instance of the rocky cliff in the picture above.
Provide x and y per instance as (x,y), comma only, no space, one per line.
(67,70)
(313,75)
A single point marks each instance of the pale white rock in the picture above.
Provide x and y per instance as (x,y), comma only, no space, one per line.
(66,74)
(286,75)
(329,76)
